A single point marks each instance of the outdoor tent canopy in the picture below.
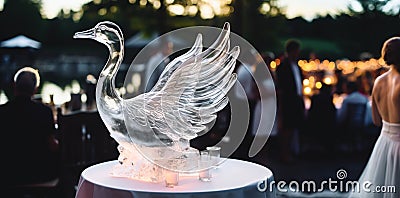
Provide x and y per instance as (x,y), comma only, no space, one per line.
(20,41)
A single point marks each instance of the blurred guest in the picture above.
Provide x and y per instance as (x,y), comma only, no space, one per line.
(29,148)
(247,83)
(322,117)
(353,96)
(6,85)
(291,107)
(313,55)
(156,64)
(76,102)
(340,82)
(90,90)
(353,118)
(262,85)
(264,75)
(247,73)
(365,83)
(268,57)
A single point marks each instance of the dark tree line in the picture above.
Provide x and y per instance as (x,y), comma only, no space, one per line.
(351,33)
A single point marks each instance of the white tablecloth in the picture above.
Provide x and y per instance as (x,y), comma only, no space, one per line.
(233,179)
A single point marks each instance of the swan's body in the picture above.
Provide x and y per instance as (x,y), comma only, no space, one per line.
(190,91)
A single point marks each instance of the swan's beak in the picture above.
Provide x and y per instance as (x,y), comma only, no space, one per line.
(85,34)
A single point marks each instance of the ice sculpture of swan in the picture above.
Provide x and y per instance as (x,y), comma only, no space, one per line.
(190,91)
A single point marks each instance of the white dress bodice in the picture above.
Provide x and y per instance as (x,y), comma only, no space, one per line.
(392,130)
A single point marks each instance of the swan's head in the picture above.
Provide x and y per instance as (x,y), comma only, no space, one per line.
(105,32)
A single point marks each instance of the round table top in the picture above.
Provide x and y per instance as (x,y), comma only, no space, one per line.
(231,174)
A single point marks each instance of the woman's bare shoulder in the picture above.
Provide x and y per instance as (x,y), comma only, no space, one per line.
(379,85)
(381,80)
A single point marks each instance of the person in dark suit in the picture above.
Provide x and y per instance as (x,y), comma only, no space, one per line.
(29,150)
(291,109)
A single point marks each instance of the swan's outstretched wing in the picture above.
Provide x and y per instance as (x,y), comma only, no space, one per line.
(174,64)
(194,92)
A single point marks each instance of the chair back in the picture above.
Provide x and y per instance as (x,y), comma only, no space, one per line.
(50,188)
(84,139)
(355,116)
(104,146)
(73,139)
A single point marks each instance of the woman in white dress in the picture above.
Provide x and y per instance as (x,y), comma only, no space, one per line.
(382,172)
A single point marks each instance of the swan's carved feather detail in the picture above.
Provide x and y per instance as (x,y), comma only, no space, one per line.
(190,91)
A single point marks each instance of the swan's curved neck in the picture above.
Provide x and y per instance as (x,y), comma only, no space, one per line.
(114,60)
(109,99)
